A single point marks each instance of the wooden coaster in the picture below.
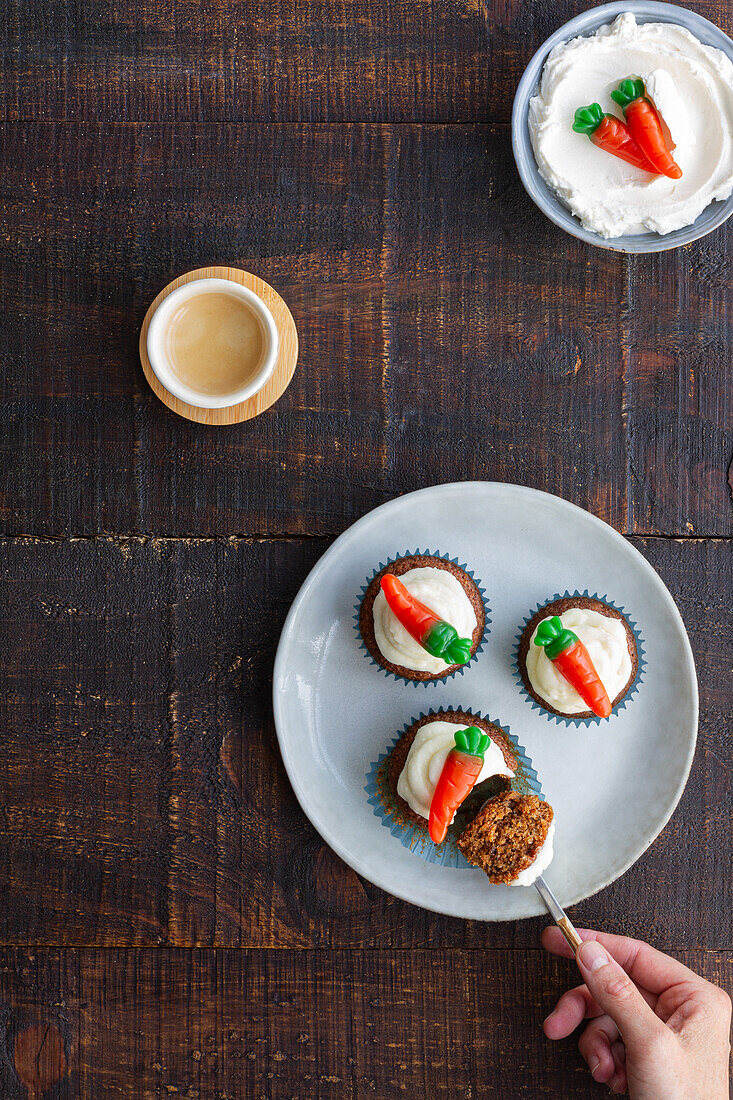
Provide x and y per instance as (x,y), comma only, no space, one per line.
(284,367)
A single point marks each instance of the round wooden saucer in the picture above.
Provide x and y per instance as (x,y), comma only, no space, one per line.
(284,367)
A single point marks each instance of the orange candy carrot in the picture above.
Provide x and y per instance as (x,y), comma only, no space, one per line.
(610,134)
(436,636)
(572,660)
(645,126)
(462,768)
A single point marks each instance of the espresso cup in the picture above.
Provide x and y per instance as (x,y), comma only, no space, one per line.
(160,358)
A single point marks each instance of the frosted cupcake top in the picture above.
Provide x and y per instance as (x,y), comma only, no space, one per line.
(428,751)
(606,640)
(442,593)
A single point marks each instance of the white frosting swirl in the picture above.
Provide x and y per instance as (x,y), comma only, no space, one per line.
(442,593)
(540,863)
(421,772)
(605,639)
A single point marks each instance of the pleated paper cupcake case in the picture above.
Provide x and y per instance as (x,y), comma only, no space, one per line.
(382,799)
(453,561)
(640,652)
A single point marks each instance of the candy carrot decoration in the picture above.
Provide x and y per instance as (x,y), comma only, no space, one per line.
(439,638)
(572,660)
(610,134)
(462,768)
(645,126)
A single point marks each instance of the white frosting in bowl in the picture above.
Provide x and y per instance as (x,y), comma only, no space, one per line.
(428,751)
(691,86)
(442,593)
(606,640)
(539,864)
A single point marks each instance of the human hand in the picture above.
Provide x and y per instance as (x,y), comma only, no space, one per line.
(656,1030)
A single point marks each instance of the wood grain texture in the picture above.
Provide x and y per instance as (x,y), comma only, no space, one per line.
(448,331)
(434,345)
(294,1025)
(678,388)
(351,60)
(144,799)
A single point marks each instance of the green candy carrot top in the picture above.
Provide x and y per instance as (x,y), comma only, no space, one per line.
(436,636)
(460,773)
(573,662)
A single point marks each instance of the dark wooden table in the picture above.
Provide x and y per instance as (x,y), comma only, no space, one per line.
(172,926)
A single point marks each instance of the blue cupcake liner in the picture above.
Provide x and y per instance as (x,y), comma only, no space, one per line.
(438,679)
(382,798)
(641,661)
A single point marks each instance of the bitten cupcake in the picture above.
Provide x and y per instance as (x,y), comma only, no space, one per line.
(438,761)
(510,838)
(422,617)
(578,657)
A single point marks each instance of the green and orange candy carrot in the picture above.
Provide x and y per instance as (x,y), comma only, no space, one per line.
(572,660)
(462,768)
(610,134)
(645,126)
(438,637)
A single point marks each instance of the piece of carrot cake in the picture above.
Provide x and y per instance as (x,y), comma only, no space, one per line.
(510,838)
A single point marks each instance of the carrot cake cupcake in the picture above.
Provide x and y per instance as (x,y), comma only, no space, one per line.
(422,617)
(454,746)
(578,657)
(510,838)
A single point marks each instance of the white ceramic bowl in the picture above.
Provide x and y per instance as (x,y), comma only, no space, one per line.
(159,361)
(645,11)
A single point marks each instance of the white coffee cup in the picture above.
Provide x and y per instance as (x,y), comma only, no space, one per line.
(156,343)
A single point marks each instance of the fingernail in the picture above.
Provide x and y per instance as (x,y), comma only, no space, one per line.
(592,955)
(593,1066)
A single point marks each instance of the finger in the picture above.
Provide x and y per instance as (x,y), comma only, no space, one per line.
(618,1050)
(612,989)
(644,964)
(573,1007)
(619,1080)
(619,1083)
(595,1045)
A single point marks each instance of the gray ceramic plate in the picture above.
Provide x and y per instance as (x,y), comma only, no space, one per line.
(645,11)
(613,786)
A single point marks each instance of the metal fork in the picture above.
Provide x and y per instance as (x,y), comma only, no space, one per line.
(554,908)
(556,911)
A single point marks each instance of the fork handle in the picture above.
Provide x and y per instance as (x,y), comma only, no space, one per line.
(569,933)
(556,911)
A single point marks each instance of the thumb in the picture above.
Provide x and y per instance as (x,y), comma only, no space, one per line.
(613,990)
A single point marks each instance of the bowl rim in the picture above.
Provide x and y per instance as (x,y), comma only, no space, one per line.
(538,190)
